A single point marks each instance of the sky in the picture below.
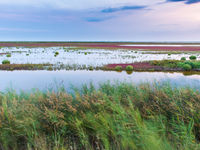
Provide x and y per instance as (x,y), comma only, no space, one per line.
(100,20)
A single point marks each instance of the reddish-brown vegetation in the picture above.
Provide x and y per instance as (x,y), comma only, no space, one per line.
(100,45)
(136,66)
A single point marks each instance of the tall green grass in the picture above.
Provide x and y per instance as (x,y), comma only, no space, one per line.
(117,117)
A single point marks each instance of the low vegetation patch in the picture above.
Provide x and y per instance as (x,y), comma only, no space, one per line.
(178,64)
(118,68)
(157,65)
(193,57)
(119,116)
(56,54)
(8,55)
(5,62)
(129,68)
(8,66)
(183,58)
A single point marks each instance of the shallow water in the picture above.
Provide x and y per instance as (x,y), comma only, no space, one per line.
(88,57)
(43,80)
(165,45)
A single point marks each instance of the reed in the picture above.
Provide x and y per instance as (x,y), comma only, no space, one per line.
(114,116)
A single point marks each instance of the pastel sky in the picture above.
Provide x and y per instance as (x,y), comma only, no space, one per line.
(100,20)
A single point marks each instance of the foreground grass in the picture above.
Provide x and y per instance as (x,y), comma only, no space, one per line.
(119,116)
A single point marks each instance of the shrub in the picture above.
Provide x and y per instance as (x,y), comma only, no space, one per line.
(91,68)
(180,64)
(193,57)
(129,68)
(8,55)
(118,68)
(196,64)
(183,58)
(50,68)
(5,62)
(56,53)
(190,63)
(187,67)
(169,54)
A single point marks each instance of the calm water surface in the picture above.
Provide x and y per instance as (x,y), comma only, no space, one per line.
(28,80)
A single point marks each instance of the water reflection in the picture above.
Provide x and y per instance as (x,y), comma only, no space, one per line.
(27,80)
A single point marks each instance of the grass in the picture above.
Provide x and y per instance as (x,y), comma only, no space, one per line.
(119,116)
(183,58)
(193,57)
(118,68)
(8,55)
(177,64)
(56,54)
(129,68)
(5,62)
(7,66)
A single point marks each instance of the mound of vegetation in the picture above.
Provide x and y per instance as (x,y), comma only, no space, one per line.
(5,62)
(129,68)
(193,57)
(177,64)
(7,66)
(119,116)
(118,68)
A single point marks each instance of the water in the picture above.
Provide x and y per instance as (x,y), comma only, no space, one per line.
(88,57)
(43,80)
(165,45)
(28,80)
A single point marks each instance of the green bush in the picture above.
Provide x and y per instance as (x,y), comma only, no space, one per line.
(129,68)
(5,62)
(187,67)
(180,64)
(8,55)
(183,58)
(91,68)
(193,57)
(118,68)
(56,53)
(190,63)
(196,64)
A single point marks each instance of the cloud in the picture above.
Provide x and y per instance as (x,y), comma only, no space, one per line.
(97,19)
(123,8)
(186,1)
(73,4)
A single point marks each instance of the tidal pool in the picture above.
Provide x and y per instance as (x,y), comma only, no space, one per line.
(53,80)
(87,57)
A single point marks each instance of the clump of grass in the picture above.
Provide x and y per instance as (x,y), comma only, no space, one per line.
(5,62)
(118,68)
(8,55)
(27,54)
(129,68)
(183,58)
(91,68)
(177,64)
(169,54)
(187,67)
(119,116)
(85,53)
(50,68)
(56,54)
(193,57)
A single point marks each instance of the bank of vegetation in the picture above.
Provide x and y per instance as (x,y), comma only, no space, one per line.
(118,116)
